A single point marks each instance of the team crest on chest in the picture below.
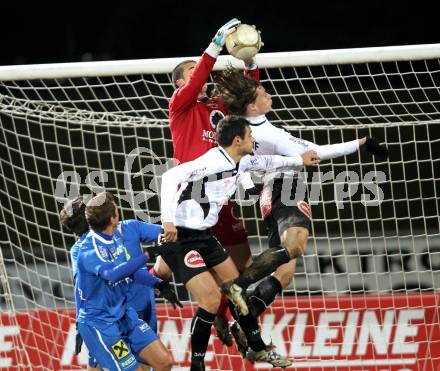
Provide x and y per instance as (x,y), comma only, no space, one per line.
(194,260)
(214,117)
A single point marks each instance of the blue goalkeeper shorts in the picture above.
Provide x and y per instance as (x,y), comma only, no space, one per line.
(115,346)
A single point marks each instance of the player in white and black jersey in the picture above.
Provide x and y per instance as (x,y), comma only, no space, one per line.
(288,222)
(189,212)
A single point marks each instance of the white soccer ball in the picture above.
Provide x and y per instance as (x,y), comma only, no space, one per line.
(244,43)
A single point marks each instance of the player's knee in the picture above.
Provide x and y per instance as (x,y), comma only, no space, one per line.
(211,300)
(162,270)
(295,241)
(162,360)
(165,363)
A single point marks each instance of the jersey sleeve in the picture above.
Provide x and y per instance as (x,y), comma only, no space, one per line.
(288,145)
(189,171)
(115,273)
(144,277)
(146,232)
(187,94)
(329,151)
(269,163)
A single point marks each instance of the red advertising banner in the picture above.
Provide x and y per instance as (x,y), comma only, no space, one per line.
(344,333)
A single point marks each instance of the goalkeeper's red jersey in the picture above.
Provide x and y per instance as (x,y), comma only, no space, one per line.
(193,121)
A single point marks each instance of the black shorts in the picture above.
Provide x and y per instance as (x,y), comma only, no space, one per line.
(281,212)
(193,253)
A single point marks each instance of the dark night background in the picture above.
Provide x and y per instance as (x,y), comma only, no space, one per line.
(47,31)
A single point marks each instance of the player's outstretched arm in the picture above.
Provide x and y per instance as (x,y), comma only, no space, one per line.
(144,277)
(116,273)
(270,163)
(370,144)
(188,92)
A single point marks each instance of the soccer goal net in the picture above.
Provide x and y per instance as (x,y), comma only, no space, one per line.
(365,295)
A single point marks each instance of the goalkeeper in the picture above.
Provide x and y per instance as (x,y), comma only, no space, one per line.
(139,296)
(193,119)
(288,225)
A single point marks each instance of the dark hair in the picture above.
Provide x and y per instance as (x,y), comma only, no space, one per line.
(99,210)
(73,216)
(236,89)
(178,71)
(230,127)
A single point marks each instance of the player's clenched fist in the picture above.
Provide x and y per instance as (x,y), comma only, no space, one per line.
(169,232)
(310,158)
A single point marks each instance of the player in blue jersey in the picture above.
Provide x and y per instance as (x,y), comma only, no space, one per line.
(107,266)
(142,298)
(73,217)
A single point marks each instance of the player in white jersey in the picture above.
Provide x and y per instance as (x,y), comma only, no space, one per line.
(187,216)
(283,201)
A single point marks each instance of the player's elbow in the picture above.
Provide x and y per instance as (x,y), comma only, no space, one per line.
(108,274)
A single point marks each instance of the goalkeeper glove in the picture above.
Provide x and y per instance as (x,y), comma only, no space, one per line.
(372,146)
(219,40)
(78,341)
(167,292)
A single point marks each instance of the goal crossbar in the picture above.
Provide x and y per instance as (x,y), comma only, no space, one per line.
(264,60)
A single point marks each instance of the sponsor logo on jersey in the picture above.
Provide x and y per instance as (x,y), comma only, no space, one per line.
(120,349)
(144,327)
(214,117)
(209,136)
(128,361)
(194,260)
(103,252)
(254,161)
(304,207)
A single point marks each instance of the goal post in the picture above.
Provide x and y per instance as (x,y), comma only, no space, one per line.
(364,296)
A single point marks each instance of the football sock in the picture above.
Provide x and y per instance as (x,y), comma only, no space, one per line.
(200,332)
(264,295)
(264,264)
(249,325)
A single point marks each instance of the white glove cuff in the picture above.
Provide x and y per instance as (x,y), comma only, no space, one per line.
(213,50)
